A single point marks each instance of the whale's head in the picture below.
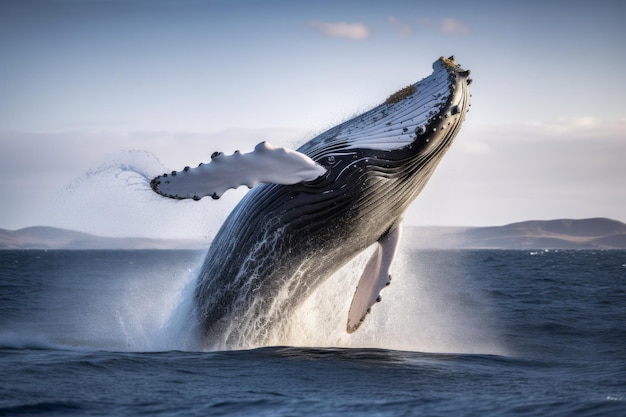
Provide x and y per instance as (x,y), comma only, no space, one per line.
(421,118)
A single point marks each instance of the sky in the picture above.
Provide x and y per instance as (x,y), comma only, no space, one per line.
(95,95)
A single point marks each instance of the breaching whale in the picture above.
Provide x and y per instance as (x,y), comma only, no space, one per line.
(311,211)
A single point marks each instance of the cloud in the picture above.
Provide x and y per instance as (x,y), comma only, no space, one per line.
(453,26)
(578,128)
(352,31)
(474,146)
(558,130)
(493,174)
(449,25)
(403,29)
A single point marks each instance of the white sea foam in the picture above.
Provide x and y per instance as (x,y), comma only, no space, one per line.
(419,311)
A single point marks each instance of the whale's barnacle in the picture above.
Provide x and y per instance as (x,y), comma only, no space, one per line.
(399,95)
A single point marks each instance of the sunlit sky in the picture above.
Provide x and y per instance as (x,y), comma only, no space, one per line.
(89,86)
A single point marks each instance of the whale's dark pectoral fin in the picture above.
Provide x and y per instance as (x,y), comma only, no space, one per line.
(265,164)
(375,277)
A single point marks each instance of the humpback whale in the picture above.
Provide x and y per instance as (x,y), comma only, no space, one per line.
(312,210)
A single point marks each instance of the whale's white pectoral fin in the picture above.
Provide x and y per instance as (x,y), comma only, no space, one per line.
(375,277)
(266,164)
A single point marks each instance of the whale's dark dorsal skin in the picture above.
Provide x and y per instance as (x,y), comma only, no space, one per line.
(281,241)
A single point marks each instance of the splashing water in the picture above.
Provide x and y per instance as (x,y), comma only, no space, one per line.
(115,199)
(134,167)
(422,310)
(143,301)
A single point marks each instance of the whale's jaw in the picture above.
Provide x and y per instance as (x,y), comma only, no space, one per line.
(414,116)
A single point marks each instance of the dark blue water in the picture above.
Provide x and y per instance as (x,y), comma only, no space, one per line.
(458,333)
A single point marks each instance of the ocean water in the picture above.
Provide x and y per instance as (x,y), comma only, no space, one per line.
(458,333)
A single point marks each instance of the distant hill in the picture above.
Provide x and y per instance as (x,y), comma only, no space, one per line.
(596,233)
(43,237)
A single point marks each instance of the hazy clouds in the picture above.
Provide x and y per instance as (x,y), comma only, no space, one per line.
(353,31)
(492,175)
(502,174)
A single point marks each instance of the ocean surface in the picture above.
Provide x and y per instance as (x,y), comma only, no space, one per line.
(458,333)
